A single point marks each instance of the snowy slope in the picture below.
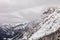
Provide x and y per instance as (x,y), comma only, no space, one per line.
(50,24)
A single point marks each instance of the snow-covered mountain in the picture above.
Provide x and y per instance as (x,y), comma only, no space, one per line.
(50,23)
(45,25)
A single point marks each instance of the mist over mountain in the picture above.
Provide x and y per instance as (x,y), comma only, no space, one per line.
(48,20)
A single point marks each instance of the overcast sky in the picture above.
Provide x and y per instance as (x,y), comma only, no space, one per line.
(12,5)
(10,10)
